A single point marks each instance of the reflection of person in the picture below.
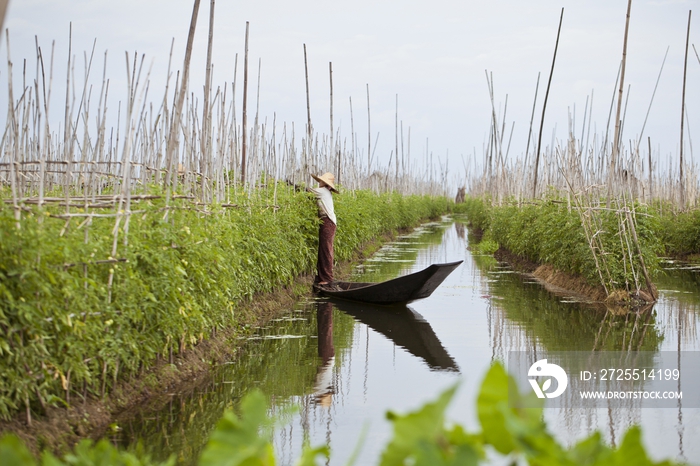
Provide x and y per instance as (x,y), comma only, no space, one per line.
(326,232)
(323,387)
(460,230)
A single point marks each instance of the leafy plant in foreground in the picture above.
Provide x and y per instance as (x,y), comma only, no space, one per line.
(421,438)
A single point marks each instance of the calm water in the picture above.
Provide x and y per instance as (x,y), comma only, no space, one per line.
(345,365)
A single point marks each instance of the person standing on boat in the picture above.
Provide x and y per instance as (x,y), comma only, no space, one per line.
(326,232)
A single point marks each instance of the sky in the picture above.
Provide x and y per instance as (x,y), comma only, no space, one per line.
(432,57)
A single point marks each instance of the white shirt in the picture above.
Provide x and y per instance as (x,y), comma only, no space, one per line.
(325,202)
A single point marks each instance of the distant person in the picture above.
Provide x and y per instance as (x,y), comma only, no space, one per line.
(326,232)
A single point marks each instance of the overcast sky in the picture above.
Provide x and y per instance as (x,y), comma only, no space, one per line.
(433,55)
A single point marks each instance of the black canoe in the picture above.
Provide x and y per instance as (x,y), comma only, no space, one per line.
(405,328)
(398,290)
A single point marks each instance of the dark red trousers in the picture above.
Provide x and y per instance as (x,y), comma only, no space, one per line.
(324,266)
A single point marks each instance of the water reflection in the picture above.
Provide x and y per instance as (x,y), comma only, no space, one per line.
(405,328)
(323,386)
(345,365)
(524,313)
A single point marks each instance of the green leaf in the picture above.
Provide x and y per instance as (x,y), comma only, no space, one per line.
(631,451)
(14,453)
(589,451)
(238,441)
(507,424)
(492,406)
(410,430)
(309,455)
(47,459)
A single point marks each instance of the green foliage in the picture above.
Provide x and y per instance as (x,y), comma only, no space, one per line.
(680,232)
(14,453)
(242,440)
(103,453)
(478,212)
(487,246)
(552,233)
(66,331)
(309,455)
(363,215)
(421,438)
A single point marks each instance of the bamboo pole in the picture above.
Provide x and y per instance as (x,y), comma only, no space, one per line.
(544,106)
(332,145)
(244,117)
(532,118)
(650,285)
(12,125)
(658,78)
(205,159)
(309,130)
(651,190)
(173,133)
(369,137)
(352,131)
(396,130)
(616,142)
(256,127)
(233,129)
(67,156)
(3,11)
(685,72)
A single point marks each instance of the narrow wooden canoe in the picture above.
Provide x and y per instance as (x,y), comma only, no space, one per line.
(398,290)
(405,328)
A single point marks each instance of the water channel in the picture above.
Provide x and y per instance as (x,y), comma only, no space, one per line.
(345,365)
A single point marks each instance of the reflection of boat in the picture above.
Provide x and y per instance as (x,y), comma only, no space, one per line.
(398,290)
(406,328)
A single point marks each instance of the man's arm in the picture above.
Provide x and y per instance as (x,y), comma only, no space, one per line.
(300,188)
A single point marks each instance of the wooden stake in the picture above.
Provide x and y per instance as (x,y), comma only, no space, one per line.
(396,130)
(332,149)
(544,105)
(309,130)
(3,10)
(651,190)
(244,128)
(616,141)
(205,159)
(369,138)
(685,71)
(173,133)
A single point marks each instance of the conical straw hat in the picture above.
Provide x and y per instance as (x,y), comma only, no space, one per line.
(327,178)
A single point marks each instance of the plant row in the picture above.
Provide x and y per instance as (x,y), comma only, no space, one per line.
(603,245)
(74,320)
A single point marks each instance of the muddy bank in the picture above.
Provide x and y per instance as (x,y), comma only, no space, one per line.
(62,427)
(560,282)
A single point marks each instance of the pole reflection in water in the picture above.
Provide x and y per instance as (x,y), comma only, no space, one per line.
(323,386)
